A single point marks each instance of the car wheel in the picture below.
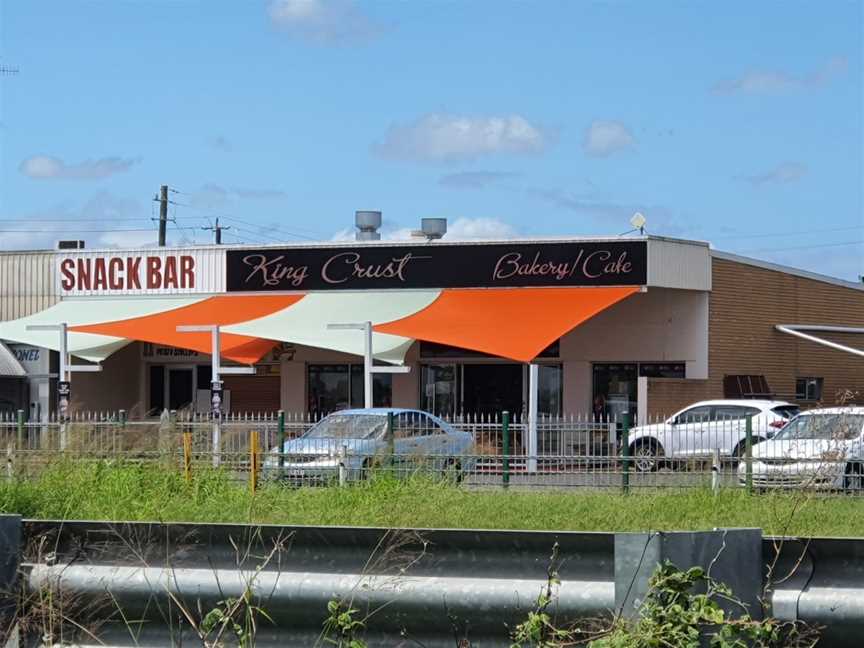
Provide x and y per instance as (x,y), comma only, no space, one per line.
(741,449)
(646,455)
(453,471)
(366,469)
(853,480)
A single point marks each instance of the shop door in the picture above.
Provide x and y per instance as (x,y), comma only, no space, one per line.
(181,392)
(490,389)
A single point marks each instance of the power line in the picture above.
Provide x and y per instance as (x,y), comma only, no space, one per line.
(781,233)
(804,247)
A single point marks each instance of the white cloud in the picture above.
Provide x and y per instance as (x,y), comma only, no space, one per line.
(459,230)
(121,239)
(441,137)
(214,196)
(774,82)
(326,22)
(474,179)
(604,138)
(43,167)
(786,173)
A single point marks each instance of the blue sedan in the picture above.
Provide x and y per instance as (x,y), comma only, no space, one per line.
(357,439)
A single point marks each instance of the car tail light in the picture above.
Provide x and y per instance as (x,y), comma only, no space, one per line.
(777,424)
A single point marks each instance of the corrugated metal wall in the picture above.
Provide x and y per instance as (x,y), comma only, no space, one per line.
(674,264)
(27,283)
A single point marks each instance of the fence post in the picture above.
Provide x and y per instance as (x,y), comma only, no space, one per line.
(391,431)
(748,453)
(715,470)
(625,452)
(280,439)
(217,439)
(505,450)
(20,429)
(343,469)
(254,458)
(187,456)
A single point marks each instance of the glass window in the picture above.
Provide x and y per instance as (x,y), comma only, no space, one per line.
(550,389)
(204,377)
(694,415)
(614,390)
(157,388)
(348,426)
(809,389)
(439,387)
(728,412)
(662,369)
(823,426)
(786,411)
(340,386)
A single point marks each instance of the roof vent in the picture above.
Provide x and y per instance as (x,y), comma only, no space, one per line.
(70,245)
(367,223)
(431,228)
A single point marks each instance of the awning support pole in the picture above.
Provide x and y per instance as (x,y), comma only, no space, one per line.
(369,367)
(795,329)
(533,393)
(216,380)
(64,383)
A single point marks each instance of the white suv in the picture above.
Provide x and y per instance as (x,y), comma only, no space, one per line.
(697,430)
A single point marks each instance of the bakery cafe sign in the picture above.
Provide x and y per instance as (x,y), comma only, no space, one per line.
(133,273)
(594,263)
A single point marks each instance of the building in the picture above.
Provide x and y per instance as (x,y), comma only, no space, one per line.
(643,325)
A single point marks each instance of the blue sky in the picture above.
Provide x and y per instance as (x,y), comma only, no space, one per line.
(738,123)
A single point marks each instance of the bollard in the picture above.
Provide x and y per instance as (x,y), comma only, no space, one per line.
(254,459)
(625,453)
(187,456)
(10,453)
(748,453)
(20,429)
(343,468)
(715,470)
(505,450)
(280,439)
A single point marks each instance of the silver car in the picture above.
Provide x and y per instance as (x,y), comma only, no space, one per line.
(357,440)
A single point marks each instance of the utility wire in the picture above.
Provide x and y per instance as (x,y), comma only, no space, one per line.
(804,247)
(781,233)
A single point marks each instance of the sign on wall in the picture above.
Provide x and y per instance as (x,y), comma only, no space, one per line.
(140,272)
(594,263)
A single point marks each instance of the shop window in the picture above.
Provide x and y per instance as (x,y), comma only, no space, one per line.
(334,387)
(439,388)
(746,387)
(808,389)
(662,369)
(614,390)
(551,388)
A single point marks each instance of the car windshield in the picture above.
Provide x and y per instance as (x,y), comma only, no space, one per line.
(786,411)
(348,426)
(823,426)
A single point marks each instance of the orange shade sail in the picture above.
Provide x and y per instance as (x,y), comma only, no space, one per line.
(515,324)
(161,328)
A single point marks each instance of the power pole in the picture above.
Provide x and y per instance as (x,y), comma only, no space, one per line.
(217,230)
(163,214)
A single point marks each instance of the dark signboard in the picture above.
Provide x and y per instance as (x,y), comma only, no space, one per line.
(591,263)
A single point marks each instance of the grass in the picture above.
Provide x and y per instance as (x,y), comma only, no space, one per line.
(116,491)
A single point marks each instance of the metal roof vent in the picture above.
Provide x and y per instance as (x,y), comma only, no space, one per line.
(70,245)
(431,228)
(367,223)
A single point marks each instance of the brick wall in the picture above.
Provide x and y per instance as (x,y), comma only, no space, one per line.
(746,303)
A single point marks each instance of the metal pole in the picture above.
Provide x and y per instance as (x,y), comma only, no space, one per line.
(505,450)
(343,470)
(391,431)
(163,213)
(215,387)
(367,365)
(715,470)
(625,452)
(20,429)
(280,438)
(748,453)
(533,391)
(64,378)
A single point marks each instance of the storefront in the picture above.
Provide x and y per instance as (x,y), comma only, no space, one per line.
(596,327)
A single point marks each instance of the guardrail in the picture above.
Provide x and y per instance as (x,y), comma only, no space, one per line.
(125,584)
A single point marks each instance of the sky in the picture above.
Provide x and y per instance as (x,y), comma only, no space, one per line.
(739,123)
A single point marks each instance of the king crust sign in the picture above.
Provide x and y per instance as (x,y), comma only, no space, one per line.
(595,263)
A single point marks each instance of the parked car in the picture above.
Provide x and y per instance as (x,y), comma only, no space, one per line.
(696,431)
(820,448)
(420,441)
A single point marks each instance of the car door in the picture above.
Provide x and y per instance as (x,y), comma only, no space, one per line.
(687,430)
(404,440)
(726,429)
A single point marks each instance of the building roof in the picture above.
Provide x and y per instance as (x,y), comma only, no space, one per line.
(797,272)
(9,365)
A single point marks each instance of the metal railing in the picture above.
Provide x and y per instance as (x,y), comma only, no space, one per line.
(572,451)
(125,584)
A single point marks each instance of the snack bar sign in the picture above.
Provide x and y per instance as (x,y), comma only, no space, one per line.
(141,273)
